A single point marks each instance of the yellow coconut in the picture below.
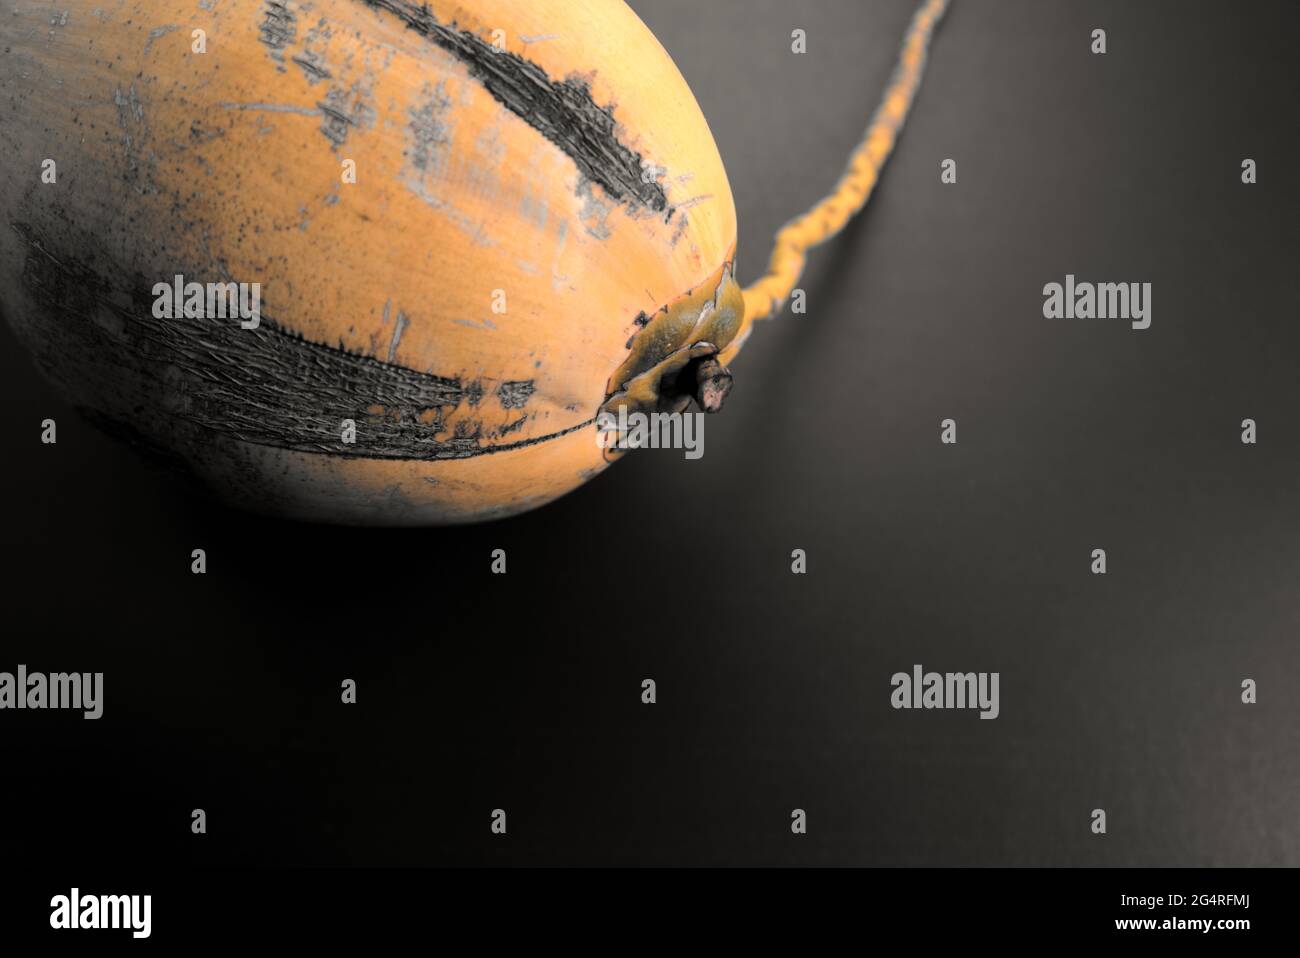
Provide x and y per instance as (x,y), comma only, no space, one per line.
(371,261)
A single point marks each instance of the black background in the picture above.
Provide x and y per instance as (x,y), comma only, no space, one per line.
(523,691)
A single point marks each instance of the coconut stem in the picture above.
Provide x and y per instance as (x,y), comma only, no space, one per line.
(767,296)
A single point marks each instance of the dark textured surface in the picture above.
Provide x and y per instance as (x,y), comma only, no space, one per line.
(523,692)
(561,109)
(265,385)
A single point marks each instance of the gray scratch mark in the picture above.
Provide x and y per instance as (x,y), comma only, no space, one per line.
(562,233)
(279,29)
(157,32)
(486,324)
(430,132)
(595,212)
(402,323)
(343,110)
(314,71)
(694,201)
(515,395)
(274,108)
